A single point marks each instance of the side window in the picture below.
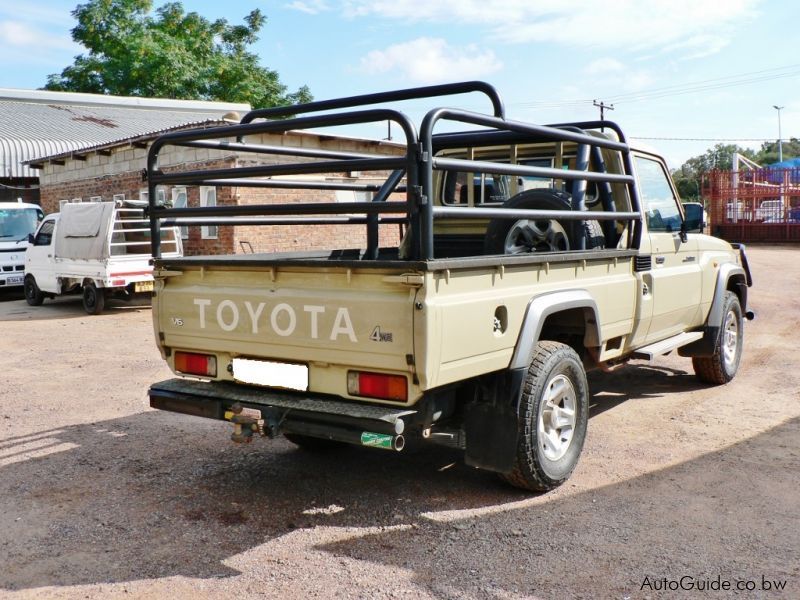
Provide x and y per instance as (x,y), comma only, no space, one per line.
(660,204)
(179,201)
(488,188)
(208,197)
(45,235)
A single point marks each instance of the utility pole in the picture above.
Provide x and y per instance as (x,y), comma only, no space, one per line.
(780,141)
(602,106)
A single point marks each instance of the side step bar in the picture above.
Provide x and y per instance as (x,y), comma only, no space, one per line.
(668,345)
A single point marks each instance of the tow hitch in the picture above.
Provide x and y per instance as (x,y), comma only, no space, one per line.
(245,423)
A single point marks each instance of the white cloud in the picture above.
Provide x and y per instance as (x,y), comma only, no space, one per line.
(311,7)
(689,26)
(23,36)
(604,65)
(432,60)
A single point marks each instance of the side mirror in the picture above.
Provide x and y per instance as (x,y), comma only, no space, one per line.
(30,239)
(693,217)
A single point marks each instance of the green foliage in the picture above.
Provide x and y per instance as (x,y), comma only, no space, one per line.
(689,175)
(768,153)
(170,55)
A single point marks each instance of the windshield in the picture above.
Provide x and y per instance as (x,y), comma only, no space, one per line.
(17,223)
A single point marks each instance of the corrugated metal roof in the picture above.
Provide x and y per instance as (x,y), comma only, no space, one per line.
(43,126)
(144,137)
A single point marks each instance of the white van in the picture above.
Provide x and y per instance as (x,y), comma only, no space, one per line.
(98,249)
(17,221)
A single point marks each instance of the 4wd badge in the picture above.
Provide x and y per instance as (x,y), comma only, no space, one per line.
(380,336)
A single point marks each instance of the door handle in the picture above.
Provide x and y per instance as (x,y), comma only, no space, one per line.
(660,260)
(689,259)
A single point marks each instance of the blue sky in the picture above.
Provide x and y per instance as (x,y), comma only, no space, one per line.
(702,70)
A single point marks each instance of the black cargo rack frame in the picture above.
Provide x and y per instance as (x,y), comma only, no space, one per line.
(416,166)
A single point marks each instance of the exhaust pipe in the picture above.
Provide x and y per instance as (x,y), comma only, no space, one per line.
(370,439)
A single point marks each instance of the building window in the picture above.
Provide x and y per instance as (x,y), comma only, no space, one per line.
(76,200)
(144,195)
(208,197)
(95,199)
(119,197)
(179,201)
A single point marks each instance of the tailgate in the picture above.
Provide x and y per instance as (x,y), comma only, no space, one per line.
(328,319)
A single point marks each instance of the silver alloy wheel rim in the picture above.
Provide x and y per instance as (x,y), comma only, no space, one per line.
(730,342)
(557,415)
(536,236)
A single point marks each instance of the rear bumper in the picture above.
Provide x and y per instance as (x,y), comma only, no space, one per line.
(282,412)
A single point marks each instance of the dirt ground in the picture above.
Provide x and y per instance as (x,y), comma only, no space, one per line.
(101,496)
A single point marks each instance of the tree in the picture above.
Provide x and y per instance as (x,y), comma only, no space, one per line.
(768,154)
(170,55)
(689,175)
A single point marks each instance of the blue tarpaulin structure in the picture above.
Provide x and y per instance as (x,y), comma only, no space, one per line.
(776,171)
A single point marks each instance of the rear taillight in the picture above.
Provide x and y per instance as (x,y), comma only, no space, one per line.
(117,282)
(196,364)
(377,385)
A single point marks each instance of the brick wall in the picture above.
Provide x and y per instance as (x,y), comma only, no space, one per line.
(118,171)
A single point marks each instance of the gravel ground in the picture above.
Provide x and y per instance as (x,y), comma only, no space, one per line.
(102,497)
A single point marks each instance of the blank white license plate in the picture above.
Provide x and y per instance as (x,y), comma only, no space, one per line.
(143,286)
(14,280)
(273,374)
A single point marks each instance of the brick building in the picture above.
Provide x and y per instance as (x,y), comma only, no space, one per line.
(114,170)
(36,123)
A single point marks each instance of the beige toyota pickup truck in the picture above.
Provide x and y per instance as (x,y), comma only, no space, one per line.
(499,262)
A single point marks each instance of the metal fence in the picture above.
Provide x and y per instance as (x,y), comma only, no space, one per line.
(759,205)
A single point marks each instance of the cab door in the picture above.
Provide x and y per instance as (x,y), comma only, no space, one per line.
(40,257)
(675,275)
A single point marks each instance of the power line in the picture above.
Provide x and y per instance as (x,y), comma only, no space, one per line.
(680,89)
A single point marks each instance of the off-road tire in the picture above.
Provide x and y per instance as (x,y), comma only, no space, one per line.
(498,230)
(553,364)
(722,366)
(33,295)
(313,444)
(94,299)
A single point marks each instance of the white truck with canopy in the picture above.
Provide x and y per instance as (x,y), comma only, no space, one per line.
(98,249)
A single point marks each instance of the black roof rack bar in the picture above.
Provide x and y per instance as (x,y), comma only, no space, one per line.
(299,123)
(479,166)
(431,91)
(332,166)
(317,208)
(155,177)
(541,131)
(276,150)
(296,184)
(383,220)
(440,212)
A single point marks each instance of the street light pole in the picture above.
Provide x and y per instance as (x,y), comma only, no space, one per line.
(780,140)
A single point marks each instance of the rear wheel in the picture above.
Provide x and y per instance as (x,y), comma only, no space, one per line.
(94,299)
(33,295)
(507,236)
(722,366)
(553,416)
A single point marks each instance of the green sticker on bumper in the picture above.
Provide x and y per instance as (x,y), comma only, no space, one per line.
(376,440)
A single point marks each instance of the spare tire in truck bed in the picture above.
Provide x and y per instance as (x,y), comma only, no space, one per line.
(520,236)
